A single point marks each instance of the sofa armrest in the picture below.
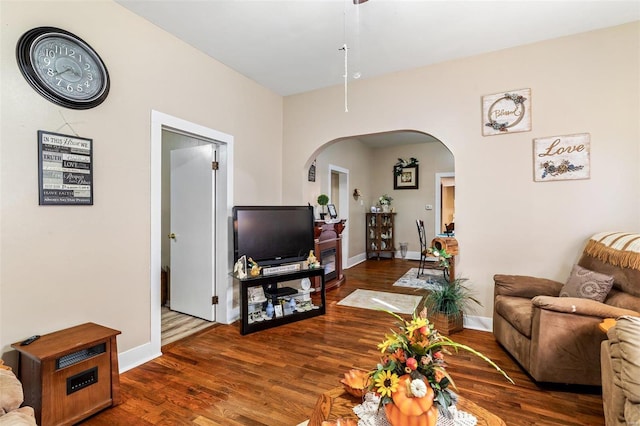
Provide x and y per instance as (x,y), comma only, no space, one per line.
(627,331)
(24,416)
(576,305)
(11,393)
(525,286)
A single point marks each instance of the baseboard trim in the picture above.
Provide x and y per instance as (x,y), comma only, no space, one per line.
(411,255)
(478,323)
(136,356)
(355,260)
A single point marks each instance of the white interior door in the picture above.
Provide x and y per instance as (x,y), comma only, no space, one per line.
(341,195)
(192,231)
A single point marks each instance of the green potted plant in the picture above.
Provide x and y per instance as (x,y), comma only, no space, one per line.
(323,200)
(446,304)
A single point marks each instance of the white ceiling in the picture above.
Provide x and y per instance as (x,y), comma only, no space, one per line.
(293,46)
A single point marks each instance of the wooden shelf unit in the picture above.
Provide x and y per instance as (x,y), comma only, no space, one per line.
(379,232)
(70,374)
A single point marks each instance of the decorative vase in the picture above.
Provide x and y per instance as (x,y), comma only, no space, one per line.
(409,410)
(269,309)
(403,250)
(385,208)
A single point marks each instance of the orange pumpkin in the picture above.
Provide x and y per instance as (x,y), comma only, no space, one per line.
(340,422)
(408,410)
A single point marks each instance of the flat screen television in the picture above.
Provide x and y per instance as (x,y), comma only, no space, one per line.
(273,235)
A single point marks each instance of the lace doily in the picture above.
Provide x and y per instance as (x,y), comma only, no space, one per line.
(369,414)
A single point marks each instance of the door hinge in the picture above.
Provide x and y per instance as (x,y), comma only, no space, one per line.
(214,300)
(214,165)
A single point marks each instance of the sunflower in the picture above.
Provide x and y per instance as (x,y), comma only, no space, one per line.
(386,382)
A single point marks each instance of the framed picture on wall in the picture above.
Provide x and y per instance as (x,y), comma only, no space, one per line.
(407,178)
(506,112)
(65,170)
(333,214)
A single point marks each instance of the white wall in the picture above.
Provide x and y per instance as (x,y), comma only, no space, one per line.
(65,265)
(505,222)
(352,155)
(409,203)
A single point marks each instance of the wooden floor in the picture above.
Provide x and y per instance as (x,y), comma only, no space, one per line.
(176,326)
(273,377)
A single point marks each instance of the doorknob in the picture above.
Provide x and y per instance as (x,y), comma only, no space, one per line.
(172,236)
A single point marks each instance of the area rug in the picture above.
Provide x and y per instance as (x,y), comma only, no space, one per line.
(367,299)
(430,279)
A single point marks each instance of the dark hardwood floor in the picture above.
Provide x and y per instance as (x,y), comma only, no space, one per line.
(273,377)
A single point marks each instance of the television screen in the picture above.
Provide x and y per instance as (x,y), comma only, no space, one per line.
(273,235)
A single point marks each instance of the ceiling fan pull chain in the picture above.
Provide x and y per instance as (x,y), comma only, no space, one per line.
(346,77)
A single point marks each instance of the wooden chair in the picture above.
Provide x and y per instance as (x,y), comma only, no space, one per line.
(423,246)
(447,271)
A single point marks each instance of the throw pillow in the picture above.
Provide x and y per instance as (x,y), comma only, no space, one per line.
(587,284)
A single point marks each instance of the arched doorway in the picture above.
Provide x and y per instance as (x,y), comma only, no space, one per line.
(369,160)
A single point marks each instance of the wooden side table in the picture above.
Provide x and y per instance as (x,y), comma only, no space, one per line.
(337,403)
(70,374)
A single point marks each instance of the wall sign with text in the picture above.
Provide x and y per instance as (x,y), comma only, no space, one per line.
(507,112)
(65,169)
(561,157)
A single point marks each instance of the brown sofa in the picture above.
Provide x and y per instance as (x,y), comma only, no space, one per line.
(557,339)
(620,363)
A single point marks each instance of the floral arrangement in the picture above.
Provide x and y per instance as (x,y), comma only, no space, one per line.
(441,254)
(411,378)
(503,127)
(385,200)
(564,167)
(397,168)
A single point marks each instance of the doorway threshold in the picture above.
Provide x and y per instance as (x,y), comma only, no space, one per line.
(176,326)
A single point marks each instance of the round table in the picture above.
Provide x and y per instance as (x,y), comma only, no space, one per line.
(337,403)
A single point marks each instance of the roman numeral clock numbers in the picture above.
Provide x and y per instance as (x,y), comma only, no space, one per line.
(63,68)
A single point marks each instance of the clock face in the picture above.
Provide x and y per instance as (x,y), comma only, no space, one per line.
(63,68)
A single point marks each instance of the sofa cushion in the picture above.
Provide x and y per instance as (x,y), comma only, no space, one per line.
(623,300)
(625,279)
(525,286)
(24,416)
(517,311)
(587,284)
(11,395)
